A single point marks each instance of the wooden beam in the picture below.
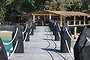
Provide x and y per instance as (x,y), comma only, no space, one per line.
(43,14)
(34,18)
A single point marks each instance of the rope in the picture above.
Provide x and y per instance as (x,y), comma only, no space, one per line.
(30,31)
(25,37)
(30,25)
(25,29)
(12,39)
(59,34)
(69,34)
(69,49)
(59,27)
(27,33)
(13,50)
(88,39)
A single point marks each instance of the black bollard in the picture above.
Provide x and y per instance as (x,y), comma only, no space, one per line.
(54,26)
(57,38)
(32,29)
(27,32)
(82,46)
(19,38)
(65,36)
(3,54)
(50,24)
(34,25)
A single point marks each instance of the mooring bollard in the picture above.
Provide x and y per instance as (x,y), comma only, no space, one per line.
(82,45)
(32,31)
(27,32)
(50,24)
(65,36)
(3,54)
(19,38)
(34,25)
(57,38)
(54,26)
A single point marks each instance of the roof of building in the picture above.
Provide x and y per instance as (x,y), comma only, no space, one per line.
(63,13)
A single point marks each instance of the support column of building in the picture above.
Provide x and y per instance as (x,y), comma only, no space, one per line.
(61,21)
(84,20)
(75,28)
(50,17)
(33,18)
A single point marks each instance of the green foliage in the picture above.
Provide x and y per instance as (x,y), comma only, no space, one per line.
(31,5)
(52,5)
(20,6)
(75,5)
(2,8)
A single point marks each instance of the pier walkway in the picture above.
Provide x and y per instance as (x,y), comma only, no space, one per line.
(41,47)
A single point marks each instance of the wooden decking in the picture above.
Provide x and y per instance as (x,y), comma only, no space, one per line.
(41,47)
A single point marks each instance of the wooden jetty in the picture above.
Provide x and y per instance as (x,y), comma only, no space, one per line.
(41,47)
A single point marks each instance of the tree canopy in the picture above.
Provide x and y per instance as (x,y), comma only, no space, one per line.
(25,6)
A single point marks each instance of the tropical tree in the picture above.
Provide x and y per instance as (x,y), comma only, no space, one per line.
(86,5)
(20,6)
(2,8)
(52,5)
(17,8)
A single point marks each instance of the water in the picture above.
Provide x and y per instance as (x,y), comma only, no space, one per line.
(7,47)
(6,38)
